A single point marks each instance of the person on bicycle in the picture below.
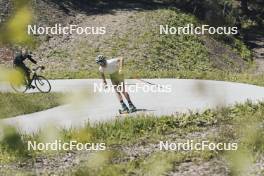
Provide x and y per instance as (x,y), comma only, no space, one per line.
(114,67)
(19,62)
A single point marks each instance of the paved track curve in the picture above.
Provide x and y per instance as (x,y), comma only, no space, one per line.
(170,97)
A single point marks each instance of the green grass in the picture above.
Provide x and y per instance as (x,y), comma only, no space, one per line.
(130,131)
(144,129)
(166,52)
(150,55)
(146,51)
(18,104)
(255,79)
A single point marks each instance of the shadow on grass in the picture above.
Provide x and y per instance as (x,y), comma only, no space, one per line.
(108,6)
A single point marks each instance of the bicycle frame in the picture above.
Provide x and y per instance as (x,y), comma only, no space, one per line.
(32,79)
(34,71)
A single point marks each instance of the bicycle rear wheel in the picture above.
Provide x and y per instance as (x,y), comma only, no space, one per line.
(19,87)
(42,84)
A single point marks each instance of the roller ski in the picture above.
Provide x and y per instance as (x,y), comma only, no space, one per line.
(126,110)
(132,108)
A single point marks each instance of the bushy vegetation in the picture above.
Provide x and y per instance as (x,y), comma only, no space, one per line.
(227,12)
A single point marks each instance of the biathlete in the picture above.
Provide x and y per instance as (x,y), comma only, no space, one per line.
(114,68)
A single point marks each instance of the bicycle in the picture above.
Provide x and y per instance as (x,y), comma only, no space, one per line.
(41,83)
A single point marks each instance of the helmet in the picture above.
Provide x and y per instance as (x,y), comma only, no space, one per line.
(24,51)
(101,60)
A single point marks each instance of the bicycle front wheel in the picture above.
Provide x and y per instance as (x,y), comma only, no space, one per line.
(42,84)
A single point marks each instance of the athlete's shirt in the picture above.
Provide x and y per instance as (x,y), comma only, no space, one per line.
(19,59)
(112,66)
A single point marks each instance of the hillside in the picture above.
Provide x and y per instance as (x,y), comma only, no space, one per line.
(132,30)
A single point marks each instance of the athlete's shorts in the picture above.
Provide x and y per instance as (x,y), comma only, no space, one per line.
(117,78)
(23,68)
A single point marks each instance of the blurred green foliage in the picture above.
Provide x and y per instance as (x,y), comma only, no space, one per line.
(14,31)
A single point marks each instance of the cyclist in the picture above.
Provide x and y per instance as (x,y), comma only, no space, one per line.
(114,67)
(19,62)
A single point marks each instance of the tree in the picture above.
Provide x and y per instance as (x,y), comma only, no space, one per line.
(244,6)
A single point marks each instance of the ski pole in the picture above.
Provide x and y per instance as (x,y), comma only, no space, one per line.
(149,83)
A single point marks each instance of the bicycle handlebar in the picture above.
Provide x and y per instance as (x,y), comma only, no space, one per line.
(39,67)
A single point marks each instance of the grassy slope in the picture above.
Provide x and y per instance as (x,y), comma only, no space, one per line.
(236,123)
(146,51)
(18,104)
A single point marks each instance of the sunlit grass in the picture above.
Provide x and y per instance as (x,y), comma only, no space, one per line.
(144,74)
(131,130)
(18,104)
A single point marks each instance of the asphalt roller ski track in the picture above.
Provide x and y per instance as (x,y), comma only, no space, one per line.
(170,97)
